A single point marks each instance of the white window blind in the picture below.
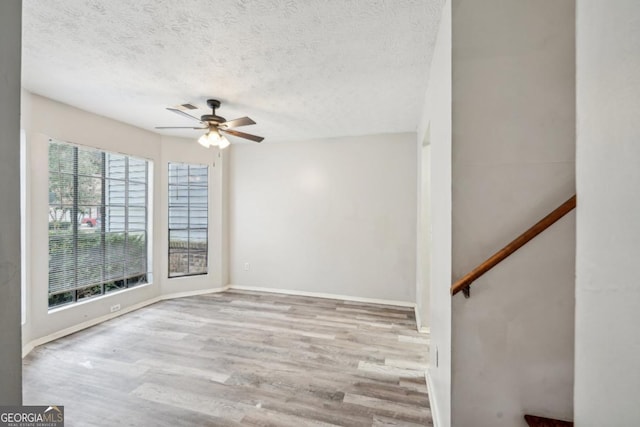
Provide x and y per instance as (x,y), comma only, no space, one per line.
(97,222)
(188,219)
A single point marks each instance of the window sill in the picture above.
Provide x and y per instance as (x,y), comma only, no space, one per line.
(92,300)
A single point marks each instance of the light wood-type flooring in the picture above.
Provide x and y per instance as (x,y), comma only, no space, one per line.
(239,359)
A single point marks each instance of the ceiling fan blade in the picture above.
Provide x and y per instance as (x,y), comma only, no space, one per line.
(178,127)
(242,121)
(243,135)
(175,110)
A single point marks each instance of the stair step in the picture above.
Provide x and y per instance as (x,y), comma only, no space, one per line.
(534,421)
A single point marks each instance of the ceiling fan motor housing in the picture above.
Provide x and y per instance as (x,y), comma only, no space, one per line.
(213,118)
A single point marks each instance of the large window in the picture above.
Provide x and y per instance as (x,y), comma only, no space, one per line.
(97,223)
(188,219)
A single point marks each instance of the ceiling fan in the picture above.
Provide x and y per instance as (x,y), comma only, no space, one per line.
(215,126)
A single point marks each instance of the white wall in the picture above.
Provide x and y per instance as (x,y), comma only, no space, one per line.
(42,119)
(436,119)
(335,216)
(10,362)
(607,375)
(513,162)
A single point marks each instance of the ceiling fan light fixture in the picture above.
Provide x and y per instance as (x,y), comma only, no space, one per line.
(213,137)
(204,141)
(224,143)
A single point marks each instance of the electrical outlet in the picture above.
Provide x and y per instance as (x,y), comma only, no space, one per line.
(246,266)
(115,308)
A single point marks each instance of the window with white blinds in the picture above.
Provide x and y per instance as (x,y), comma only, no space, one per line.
(188,219)
(97,222)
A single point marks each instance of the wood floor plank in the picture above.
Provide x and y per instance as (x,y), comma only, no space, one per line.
(208,405)
(388,409)
(184,371)
(239,358)
(380,421)
(266,418)
(390,370)
(413,340)
(406,364)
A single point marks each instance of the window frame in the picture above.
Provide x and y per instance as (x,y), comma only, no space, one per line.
(188,228)
(108,284)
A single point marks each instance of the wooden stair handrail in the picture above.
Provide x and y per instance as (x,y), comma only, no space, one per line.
(516,244)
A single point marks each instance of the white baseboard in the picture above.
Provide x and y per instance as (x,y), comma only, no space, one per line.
(26,349)
(418,318)
(194,293)
(324,295)
(421,329)
(432,399)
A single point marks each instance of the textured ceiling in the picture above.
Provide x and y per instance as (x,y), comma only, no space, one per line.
(302,69)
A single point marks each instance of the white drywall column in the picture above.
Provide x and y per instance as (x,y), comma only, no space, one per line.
(10,341)
(436,120)
(607,372)
(423,264)
(513,156)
